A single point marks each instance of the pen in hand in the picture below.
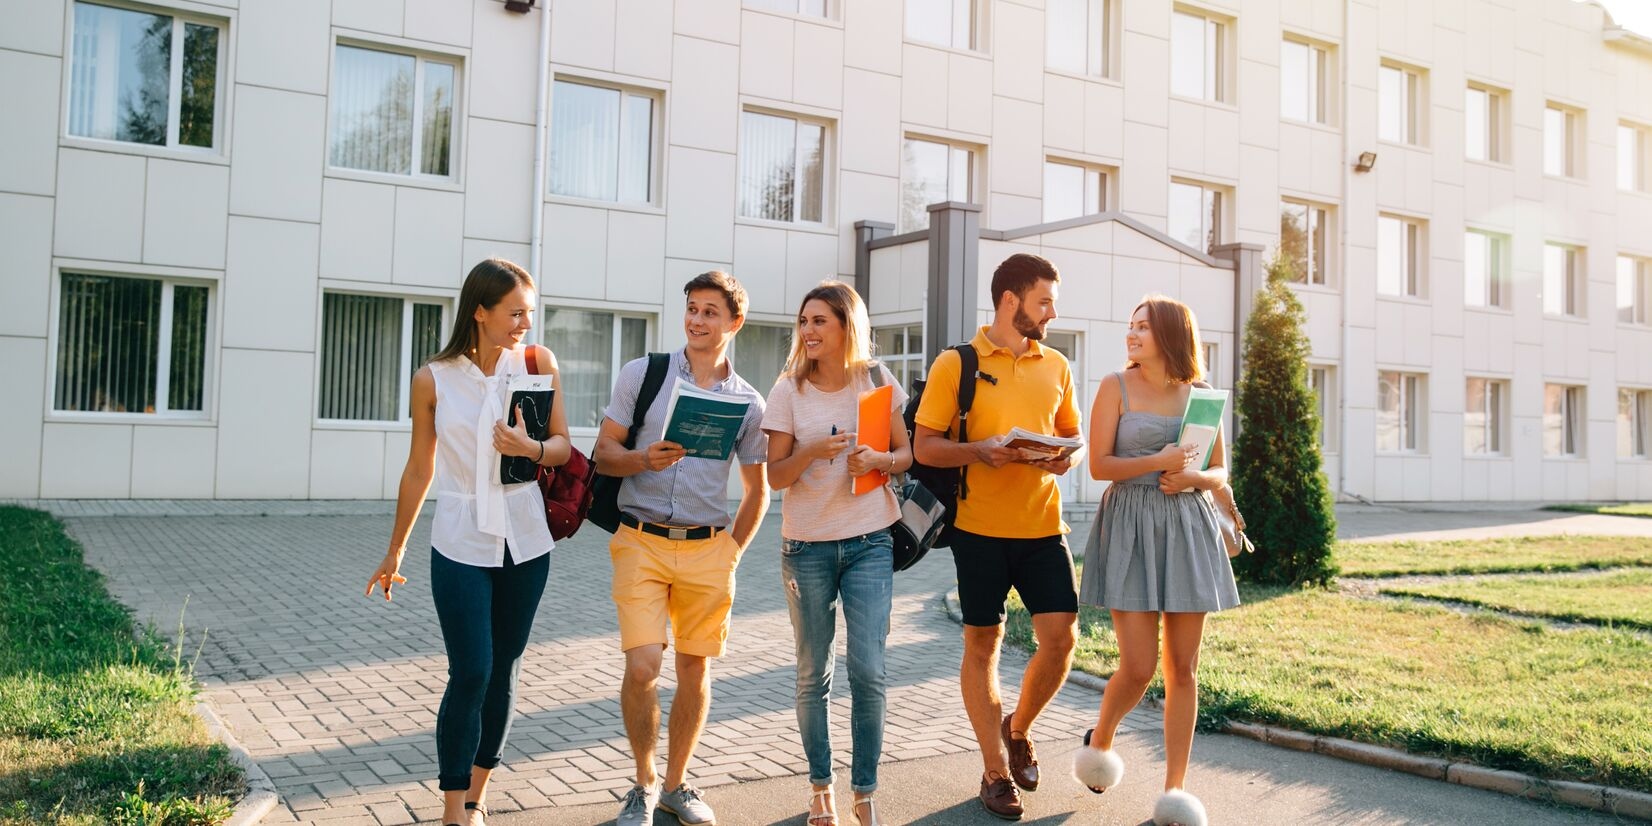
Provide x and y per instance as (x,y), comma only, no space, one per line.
(831,460)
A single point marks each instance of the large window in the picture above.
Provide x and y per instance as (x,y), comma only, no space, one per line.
(1198,56)
(602,143)
(782,168)
(1484,126)
(1073,190)
(950,23)
(1634,290)
(1322,381)
(590,347)
(902,350)
(760,352)
(1562,420)
(1399,256)
(131,345)
(1196,215)
(1485,269)
(1562,280)
(1303,82)
(933,172)
(1079,36)
(1633,150)
(140,77)
(371,345)
(1634,423)
(1483,406)
(1302,241)
(1562,141)
(1400,105)
(1399,412)
(393,112)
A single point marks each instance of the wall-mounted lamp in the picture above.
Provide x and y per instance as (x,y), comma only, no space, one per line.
(518,6)
(1367,161)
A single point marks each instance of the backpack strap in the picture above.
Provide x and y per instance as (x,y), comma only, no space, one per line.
(874,373)
(651,383)
(969,369)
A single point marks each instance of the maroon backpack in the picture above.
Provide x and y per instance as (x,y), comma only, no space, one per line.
(567,489)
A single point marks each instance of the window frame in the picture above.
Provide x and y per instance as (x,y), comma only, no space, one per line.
(1497,125)
(223,85)
(1572,150)
(1412,413)
(827,170)
(1573,302)
(421,56)
(1495,410)
(1222,208)
(1640,156)
(1326,235)
(1216,55)
(406,368)
(1101,18)
(1106,176)
(170,277)
(1325,393)
(1414,105)
(978,26)
(826,13)
(616,357)
(915,363)
(1414,251)
(1320,80)
(656,142)
(1573,421)
(1640,290)
(1639,426)
(1498,274)
(975,165)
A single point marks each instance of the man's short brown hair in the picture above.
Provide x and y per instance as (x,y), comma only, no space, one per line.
(734,295)
(1019,273)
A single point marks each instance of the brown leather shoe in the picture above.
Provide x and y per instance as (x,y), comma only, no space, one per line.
(999,797)
(1023,760)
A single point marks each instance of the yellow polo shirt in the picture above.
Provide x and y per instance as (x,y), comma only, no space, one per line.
(1035,392)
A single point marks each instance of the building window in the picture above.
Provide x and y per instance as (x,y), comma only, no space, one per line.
(807,8)
(782,168)
(933,172)
(1634,423)
(1198,56)
(1303,82)
(1562,420)
(371,345)
(1634,290)
(1399,409)
(950,23)
(1484,110)
(131,345)
(1196,215)
(901,349)
(602,143)
(1485,269)
(1400,105)
(760,352)
(1562,280)
(1483,416)
(1562,139)
(392,112)
(1633,150)
(1212,366)
(590,347)
(140,77)
(1079,36)
(1302,232)
(1072,190)
(1399,256)
(1322,381)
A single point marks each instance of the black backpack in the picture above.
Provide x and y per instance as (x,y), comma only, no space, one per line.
(605,512)
(946,484)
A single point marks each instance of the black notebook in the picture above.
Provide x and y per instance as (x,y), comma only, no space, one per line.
(533,394)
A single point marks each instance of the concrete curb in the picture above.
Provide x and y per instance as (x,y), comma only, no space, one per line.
(1614,801)
(261,796)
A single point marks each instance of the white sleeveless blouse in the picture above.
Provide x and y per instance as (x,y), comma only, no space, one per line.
(475,514)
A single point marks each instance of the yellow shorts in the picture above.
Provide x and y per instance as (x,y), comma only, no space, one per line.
(689,582)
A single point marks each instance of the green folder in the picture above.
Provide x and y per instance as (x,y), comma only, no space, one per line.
(1202,421)
(706,424)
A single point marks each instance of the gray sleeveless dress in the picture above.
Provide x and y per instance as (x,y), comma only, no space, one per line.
(1150,551)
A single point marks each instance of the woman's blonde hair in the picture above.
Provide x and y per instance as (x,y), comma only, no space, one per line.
(844,303)
(1176,332)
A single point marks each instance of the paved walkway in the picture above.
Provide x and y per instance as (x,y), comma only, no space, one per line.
(335,695)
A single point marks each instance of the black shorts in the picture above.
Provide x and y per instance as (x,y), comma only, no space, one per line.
(1040,570)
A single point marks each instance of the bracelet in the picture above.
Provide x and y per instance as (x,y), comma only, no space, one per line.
(891,461)
(541,453)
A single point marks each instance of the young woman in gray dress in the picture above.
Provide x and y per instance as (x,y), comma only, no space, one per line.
(1155,549)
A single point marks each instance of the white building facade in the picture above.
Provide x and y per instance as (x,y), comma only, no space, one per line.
(230,230)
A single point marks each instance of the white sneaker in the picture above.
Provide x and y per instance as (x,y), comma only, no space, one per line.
(638,808)
(685,802)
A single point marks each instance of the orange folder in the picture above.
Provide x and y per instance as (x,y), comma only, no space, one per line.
(872,430)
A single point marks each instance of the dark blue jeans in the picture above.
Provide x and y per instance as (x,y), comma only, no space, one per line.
(486,615)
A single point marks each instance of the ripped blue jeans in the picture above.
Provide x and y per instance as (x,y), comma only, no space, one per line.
(817,576)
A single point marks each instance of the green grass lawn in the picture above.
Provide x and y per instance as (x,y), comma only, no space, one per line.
(1612,597)
(96,722)
(1643,509)
(1483,556)
(1502,693)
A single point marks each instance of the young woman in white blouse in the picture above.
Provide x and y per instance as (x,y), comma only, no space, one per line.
(489,542)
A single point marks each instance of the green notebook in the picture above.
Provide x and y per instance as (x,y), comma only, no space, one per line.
(1201,421)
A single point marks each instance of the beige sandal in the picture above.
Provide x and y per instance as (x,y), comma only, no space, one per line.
(871,818)
(822,799)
